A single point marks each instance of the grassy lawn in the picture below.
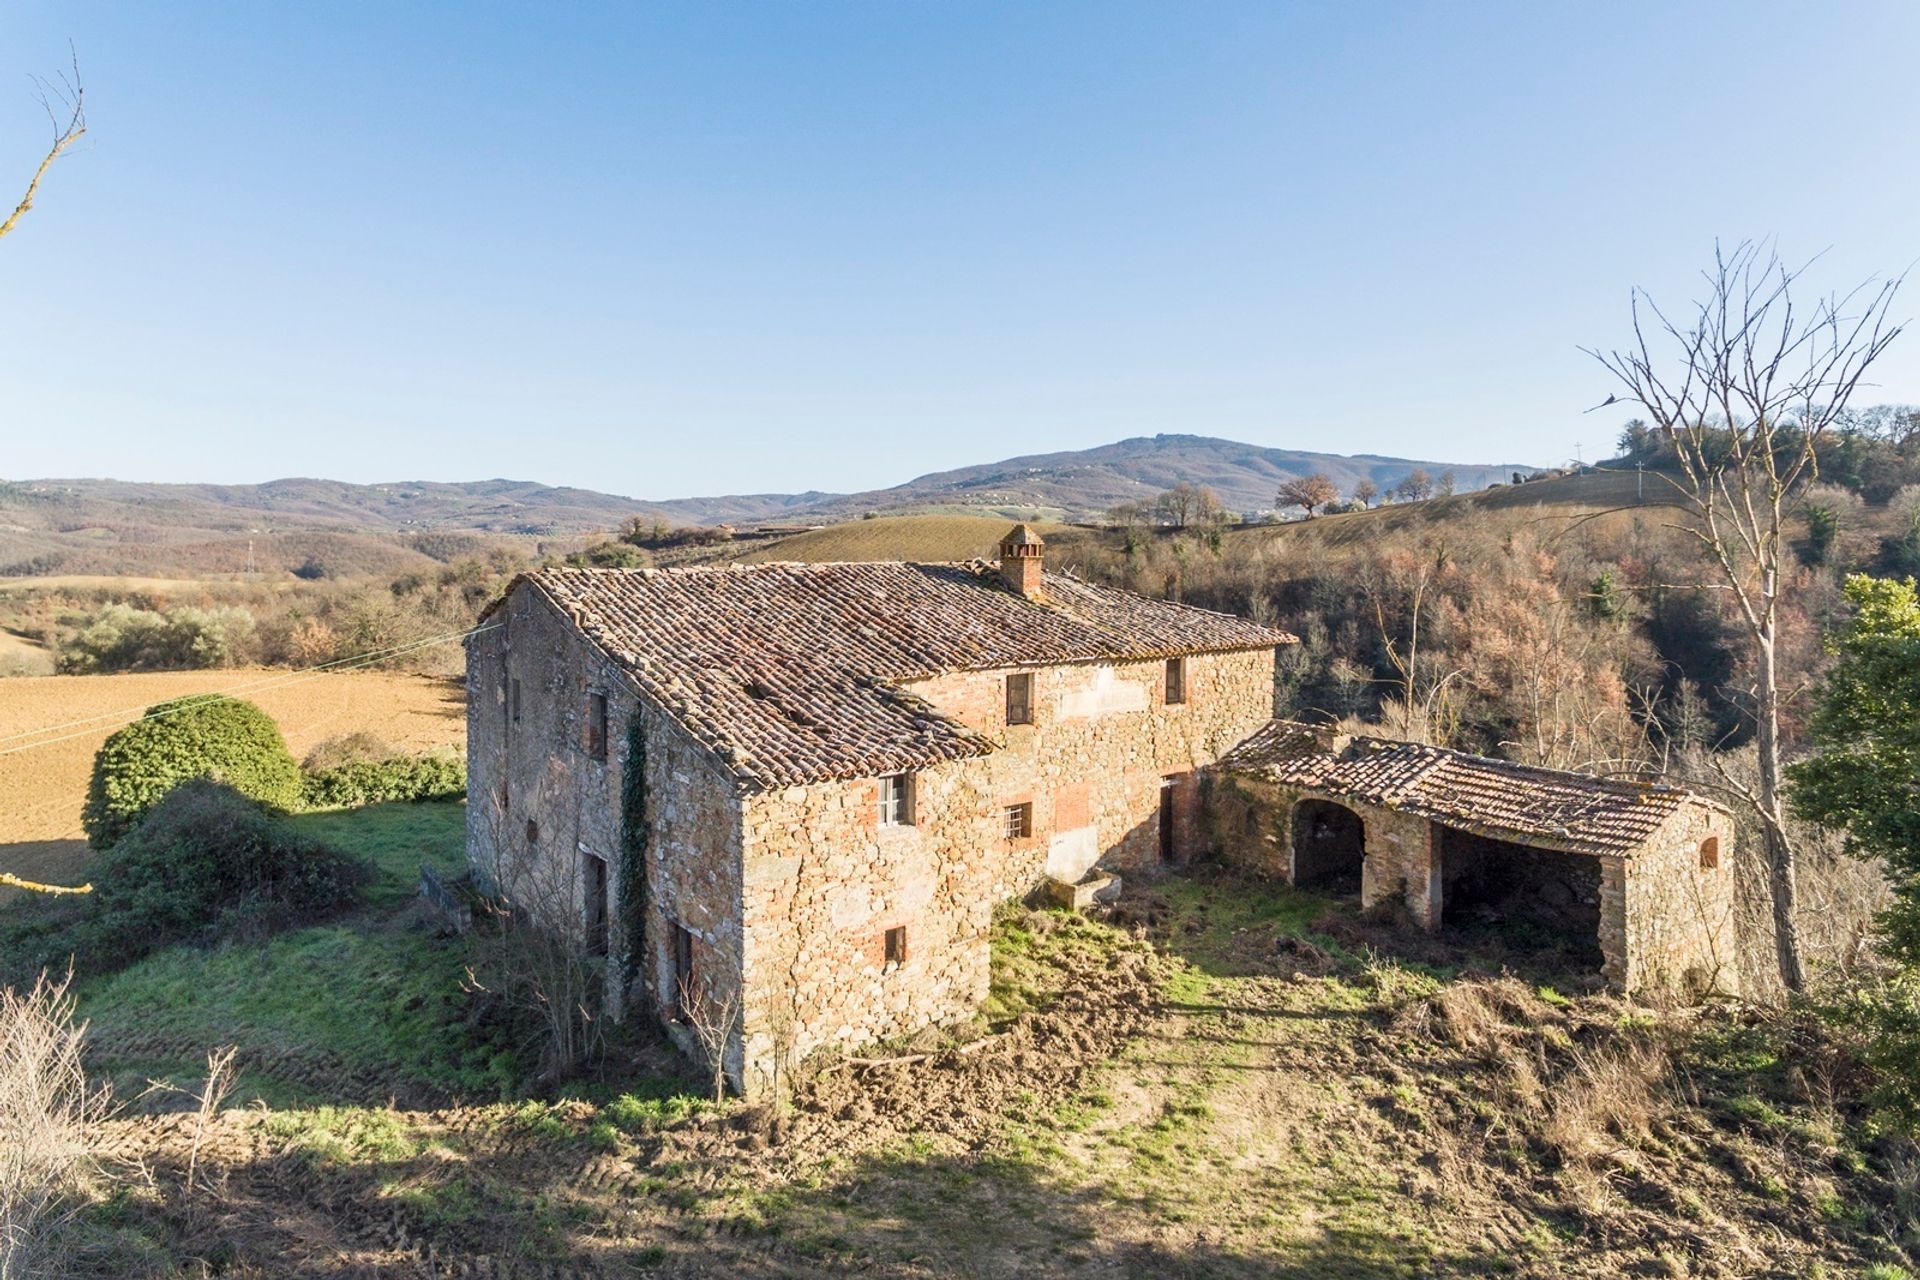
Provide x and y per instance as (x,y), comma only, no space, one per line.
(372,999)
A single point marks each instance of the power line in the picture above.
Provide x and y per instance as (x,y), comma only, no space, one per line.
(311,673)
(278,677)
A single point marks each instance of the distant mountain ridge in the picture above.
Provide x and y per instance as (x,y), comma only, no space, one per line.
(89,525)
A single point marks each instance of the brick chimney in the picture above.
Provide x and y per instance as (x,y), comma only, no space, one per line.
(1021,554)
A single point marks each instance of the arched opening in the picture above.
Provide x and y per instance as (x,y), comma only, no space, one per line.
(1329,846)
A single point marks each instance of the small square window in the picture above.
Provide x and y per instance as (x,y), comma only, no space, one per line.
(896,800)
(1020,698)
(897,945)
(597,725)
(1018,821)
(1176,681)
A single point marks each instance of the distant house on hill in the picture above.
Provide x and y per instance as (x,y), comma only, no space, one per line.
(800,790)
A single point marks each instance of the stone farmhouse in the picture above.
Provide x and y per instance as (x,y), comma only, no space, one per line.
(795,793)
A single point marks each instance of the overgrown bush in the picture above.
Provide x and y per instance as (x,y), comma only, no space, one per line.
(1884,1014)
(430,776)
(119,637)
(206,862)
(203,736)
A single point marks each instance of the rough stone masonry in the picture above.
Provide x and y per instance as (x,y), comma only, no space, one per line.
(791,795)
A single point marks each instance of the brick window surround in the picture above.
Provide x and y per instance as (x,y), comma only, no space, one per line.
(1176,681)
(896,800)
(1020,698)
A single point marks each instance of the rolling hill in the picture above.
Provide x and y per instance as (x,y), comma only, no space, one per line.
(125,527)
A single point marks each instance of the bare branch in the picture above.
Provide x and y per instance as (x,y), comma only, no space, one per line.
(66,108)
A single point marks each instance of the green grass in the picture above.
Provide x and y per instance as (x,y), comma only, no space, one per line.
(1025,944)
(372,991)
(346,1135)
(397,838)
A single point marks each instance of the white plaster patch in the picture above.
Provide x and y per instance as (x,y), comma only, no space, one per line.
(1107,695)
(850,906)
(1071,854)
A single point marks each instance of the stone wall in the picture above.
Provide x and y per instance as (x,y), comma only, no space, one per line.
(825,881)
(1102,742)
(1677,923)
(540,803)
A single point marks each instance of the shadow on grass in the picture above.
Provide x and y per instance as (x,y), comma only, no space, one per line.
(524,1203)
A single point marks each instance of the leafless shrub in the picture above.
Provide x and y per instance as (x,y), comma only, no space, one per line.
(532,952)
(1467,1020)
(49,1125)
(713,1018)
(213,1095)
(1602,1102)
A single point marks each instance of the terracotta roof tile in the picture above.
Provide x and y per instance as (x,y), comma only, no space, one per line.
(1551,808)
(790,672)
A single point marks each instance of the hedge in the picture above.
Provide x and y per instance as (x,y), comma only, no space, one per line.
(396,778)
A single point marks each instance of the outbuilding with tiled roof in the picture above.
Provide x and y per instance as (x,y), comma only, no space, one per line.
(1635,873)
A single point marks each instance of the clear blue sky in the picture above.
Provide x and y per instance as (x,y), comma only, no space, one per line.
(691,248)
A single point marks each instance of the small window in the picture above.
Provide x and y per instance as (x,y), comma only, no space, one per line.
(513,699)
(597,725)
(1020,699)
(896,800)
(1176,681)
(1018,820)
(683,984)
(897,945)
(533,832)
(1710,853)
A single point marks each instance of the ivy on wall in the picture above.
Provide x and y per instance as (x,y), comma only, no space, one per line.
(633,849)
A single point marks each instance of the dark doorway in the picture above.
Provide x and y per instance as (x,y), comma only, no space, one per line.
(596,904)
(1329,847)
(1525,899)
(1166,819)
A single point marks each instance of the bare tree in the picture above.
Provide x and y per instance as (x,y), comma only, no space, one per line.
(1447,484)
(1416,487)
(65,104)
(531,948)
(1400,589)
(1186,505)
(1365,491)
(1742,393)
(1308,491)
(714,1017)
